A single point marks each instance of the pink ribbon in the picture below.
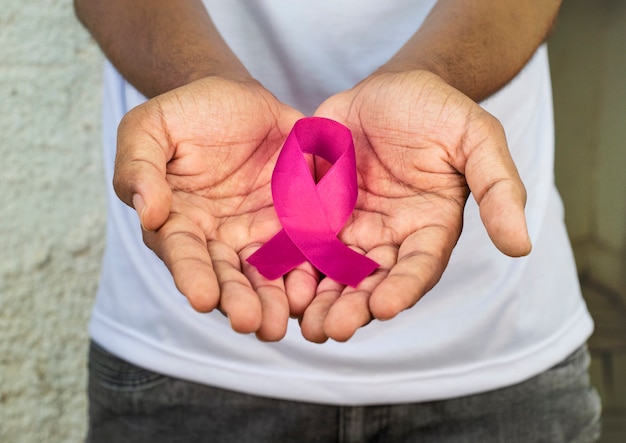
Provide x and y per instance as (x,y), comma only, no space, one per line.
(313,214)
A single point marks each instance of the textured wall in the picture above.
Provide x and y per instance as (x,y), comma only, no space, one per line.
(51,217)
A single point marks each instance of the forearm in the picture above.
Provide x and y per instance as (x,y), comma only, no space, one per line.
(477,46)
(158,45)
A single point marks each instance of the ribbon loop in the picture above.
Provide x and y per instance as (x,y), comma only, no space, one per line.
(313,214)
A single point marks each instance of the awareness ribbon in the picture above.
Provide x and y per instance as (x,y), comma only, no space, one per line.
(313,214)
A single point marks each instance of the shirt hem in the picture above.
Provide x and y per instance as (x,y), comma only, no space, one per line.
(434,384)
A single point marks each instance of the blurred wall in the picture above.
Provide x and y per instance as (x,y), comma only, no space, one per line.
(52,208)
(588,59)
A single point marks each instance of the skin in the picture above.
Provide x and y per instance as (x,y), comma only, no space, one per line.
(201,185)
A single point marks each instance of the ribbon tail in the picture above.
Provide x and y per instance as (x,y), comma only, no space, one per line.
(277,257)
(340,263)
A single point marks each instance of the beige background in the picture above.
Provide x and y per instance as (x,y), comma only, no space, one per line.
(52,207)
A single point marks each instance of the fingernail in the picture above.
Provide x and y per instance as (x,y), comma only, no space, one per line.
(140,207)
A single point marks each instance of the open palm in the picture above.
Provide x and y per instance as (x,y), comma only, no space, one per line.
(421,147)
(196,164)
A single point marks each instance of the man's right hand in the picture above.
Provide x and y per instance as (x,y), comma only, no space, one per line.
(196,164)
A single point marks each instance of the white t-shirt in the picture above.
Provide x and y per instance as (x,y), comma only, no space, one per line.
(490,322)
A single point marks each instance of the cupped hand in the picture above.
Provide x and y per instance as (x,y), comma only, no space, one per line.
(196,165)
(421,147)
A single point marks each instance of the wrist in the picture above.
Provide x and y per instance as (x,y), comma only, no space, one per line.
(399,65)
(172,75)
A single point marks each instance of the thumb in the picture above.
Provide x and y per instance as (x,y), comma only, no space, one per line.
(498,189)
(502,213)
(140,170)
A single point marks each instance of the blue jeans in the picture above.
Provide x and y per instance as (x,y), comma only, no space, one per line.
(131,404)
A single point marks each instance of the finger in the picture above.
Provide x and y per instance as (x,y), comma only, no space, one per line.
(351,311)
(498,189)
(140,168)
(273,299)
(274,310)
(422,258)
(181,245)
(301,285)
(338,311)
(312,322)
(239,301)
(502,213)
